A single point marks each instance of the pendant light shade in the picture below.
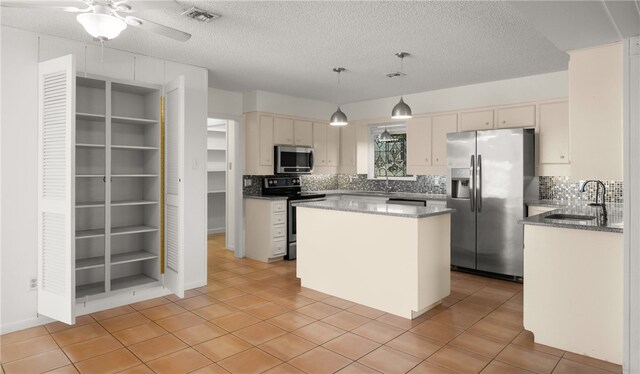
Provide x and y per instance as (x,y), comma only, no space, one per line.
(401,110)
(385,136)
(338,118)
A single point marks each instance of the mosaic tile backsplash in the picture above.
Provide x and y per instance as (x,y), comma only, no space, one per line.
(553,188)
(562,188)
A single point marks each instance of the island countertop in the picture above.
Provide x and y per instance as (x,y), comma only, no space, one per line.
(614,223)
(368,207)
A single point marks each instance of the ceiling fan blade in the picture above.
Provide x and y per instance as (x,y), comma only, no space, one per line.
(59,5)
(158,28)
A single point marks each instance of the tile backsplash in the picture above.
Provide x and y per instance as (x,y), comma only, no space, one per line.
(563,188)
(554,188)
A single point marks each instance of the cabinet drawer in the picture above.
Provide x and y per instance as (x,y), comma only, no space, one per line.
(278,231)
(279,206)
(279,218)
(279,248)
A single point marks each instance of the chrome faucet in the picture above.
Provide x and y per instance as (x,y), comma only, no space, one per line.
(603,203)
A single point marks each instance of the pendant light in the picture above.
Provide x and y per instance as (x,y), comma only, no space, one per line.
(338,118)
(385,136)
(401,110)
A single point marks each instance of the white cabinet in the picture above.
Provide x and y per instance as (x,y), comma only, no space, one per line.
(348,147)
(266,229)
(320,143)
(476,120)
(282,131)
(266,137)
(441,125)
(595,112)
(554,132)
(326,143)
(333,145)
(303,133)
(99,188)
(418,145)
(517,116)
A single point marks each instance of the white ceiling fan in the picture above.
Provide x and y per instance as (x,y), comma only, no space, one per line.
(102,19)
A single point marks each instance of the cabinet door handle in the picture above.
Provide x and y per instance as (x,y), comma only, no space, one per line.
(562,156)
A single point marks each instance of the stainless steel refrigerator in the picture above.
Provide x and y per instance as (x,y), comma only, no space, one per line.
(490,175)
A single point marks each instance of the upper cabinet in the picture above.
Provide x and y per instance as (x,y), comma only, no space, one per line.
(326,143)
(418,145)
(348,148)
(441,125)
(595,112)
(303,133)
(554,132)
(282,131)
(516,116)
(476,120)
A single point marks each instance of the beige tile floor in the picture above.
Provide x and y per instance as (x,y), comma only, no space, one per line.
(254,317)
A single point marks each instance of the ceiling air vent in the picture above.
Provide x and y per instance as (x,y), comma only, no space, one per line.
(200,15)
(395,74)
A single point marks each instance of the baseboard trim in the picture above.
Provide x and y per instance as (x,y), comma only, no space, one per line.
(216,230)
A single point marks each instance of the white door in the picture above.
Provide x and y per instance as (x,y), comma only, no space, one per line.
(56,189)
(174,184)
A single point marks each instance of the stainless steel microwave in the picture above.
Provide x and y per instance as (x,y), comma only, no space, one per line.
(292,160)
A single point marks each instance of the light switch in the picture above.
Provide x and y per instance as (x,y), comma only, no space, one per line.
(247,182)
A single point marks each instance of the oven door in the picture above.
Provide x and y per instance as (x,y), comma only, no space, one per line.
(293,160)
(291,227)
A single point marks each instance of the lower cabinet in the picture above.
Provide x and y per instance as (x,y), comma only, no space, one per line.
(265,229)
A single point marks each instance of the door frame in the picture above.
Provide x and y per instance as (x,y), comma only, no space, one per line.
(238,171)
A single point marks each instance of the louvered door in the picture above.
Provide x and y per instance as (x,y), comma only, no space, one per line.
(56,194)
(174,184)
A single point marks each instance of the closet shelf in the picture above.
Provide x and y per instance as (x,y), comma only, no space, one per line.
(89,289)
(221,149)
(90,204)
(89,116)
(89,175)
(133,121)
(88,145)
(134,175)
(135,147)
(85,234)
(123,258)
(132,281)
(132,202)
(89,263)
(217,191)
(126,230)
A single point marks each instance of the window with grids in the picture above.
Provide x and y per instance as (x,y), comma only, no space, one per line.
(390,158)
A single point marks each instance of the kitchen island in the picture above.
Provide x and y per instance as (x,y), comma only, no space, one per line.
(573,280)
(395,258)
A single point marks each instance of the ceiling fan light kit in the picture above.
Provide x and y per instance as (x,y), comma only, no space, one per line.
(400,110)
(338,118)
(102,26)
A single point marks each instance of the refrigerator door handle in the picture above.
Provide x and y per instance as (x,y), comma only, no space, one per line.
(472,181)
(479,184)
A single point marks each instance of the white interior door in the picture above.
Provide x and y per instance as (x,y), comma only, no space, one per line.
(56,189)
(174,184)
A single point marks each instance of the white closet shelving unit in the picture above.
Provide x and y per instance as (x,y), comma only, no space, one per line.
(216,175)
(99,189)
(117,223)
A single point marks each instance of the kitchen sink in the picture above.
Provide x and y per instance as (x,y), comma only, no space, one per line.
(570,217)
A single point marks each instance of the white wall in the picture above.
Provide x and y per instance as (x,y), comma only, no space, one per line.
(263,101)
(509,91)
(21,52)
(227,103)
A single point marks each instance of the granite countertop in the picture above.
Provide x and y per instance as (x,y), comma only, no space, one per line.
(402,195)
(264,197)
(367,207)
(615,222)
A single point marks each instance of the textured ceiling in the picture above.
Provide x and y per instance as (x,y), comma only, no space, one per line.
(291,47)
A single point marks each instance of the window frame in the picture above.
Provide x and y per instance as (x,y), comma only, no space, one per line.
(372,132)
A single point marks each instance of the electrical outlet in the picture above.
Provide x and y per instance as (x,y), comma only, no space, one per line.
(247,182)
(33,283)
